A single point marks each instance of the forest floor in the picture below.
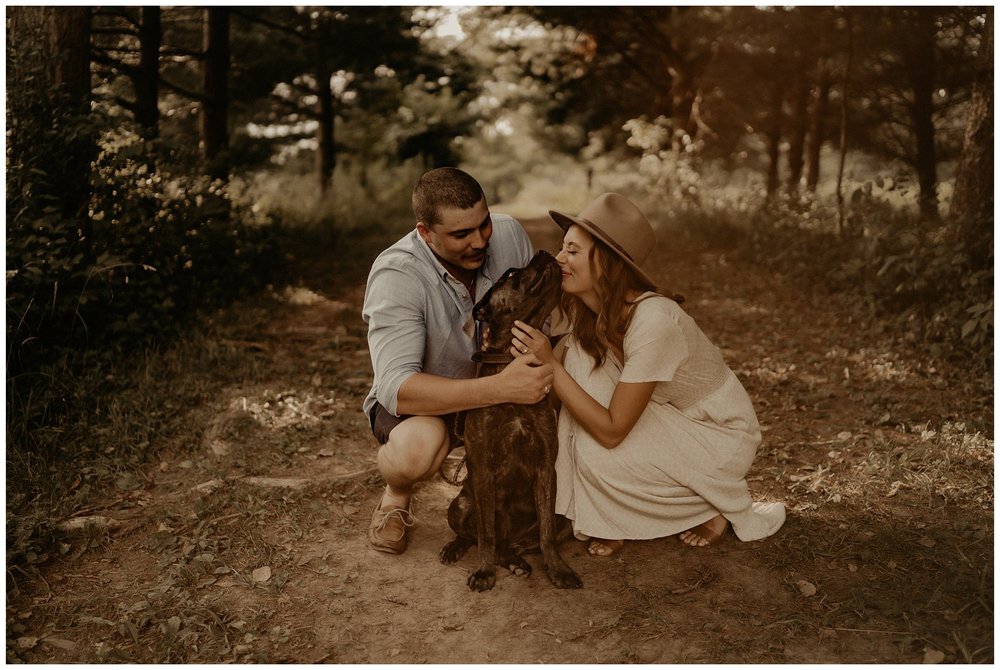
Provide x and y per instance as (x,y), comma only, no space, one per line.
(245,539)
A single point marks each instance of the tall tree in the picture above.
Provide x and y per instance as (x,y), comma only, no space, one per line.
(127,42)
(147,81)
(772,133)
(973,198)
(817,124)
(215,90)
(634,61)
(335,54)
(49,47)
(799,128)
(70,41)
(912,78)
(920,65)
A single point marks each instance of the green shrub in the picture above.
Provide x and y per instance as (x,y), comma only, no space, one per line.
(921,274)
(364,197)
(156,247)
(151,250)
(918,273)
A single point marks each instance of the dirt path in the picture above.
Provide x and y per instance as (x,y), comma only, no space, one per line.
(250,545)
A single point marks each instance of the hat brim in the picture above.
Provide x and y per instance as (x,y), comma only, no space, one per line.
(564,221)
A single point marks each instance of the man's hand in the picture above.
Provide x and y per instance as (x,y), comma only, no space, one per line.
(526,381)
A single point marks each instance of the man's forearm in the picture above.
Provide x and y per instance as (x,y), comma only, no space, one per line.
(424,394)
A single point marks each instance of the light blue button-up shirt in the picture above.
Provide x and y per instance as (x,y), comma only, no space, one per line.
(420,317)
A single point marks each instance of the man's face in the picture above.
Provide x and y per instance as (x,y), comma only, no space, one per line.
(461,237)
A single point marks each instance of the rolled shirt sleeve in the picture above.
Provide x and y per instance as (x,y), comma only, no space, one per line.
(397,332)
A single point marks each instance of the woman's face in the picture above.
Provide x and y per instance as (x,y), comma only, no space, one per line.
(574,260)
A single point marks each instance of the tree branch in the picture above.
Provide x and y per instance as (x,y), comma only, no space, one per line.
(114,31)
(253,18)
(116,13)
(99,55)
(181,90)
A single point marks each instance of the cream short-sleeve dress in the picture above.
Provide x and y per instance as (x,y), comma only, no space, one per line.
(687,457)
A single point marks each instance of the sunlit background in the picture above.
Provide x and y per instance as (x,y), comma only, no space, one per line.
(167,149)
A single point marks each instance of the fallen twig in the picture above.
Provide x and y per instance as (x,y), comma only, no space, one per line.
(257,346)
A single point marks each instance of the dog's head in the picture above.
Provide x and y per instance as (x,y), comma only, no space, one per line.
(527,294)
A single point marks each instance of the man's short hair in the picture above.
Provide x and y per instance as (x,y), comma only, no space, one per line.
(444,188)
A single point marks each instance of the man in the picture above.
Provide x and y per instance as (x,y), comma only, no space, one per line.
(421,336)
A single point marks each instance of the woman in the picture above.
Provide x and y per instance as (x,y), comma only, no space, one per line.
(656,433)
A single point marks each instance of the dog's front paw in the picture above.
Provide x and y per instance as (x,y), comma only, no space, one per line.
(564,578)
(482,579)
(454,550)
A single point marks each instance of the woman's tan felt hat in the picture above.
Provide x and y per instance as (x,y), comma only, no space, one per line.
(617,222)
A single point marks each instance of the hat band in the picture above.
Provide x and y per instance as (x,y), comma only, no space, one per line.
(607,239)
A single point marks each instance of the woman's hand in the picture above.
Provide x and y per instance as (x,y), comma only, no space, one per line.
(528,340)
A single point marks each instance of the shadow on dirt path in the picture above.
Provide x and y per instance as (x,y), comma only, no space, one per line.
(250,546)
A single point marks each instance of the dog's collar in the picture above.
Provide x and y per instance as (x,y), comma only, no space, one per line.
(492,357)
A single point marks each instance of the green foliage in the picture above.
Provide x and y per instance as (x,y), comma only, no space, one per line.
(919,273)
(150,251)
(151,248)
(368,196)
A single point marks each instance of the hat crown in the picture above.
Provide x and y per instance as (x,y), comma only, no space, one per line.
(623,224)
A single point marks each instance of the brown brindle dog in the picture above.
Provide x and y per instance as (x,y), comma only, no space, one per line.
(507,504)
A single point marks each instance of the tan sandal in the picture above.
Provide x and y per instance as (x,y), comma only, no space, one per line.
(705,532)
(612,546)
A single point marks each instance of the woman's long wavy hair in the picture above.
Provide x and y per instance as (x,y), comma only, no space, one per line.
(613,280)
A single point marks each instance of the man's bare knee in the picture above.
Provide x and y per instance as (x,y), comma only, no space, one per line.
(414,451)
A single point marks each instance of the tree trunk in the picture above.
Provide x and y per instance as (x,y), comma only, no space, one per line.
(326,158)
(797,141)
(69,41)
(147,111)
(817,127)
(848,19)
(774,139)
(682,94)
(70,38)
(972,201)
(920,69)
(215,105)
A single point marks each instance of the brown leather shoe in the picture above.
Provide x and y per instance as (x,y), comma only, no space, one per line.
(388,529)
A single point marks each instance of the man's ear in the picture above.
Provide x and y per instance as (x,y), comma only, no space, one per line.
(424,232)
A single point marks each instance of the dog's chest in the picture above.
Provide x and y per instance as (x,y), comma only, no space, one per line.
(511,438)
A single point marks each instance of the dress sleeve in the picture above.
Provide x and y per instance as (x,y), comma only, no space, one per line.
(654,345)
